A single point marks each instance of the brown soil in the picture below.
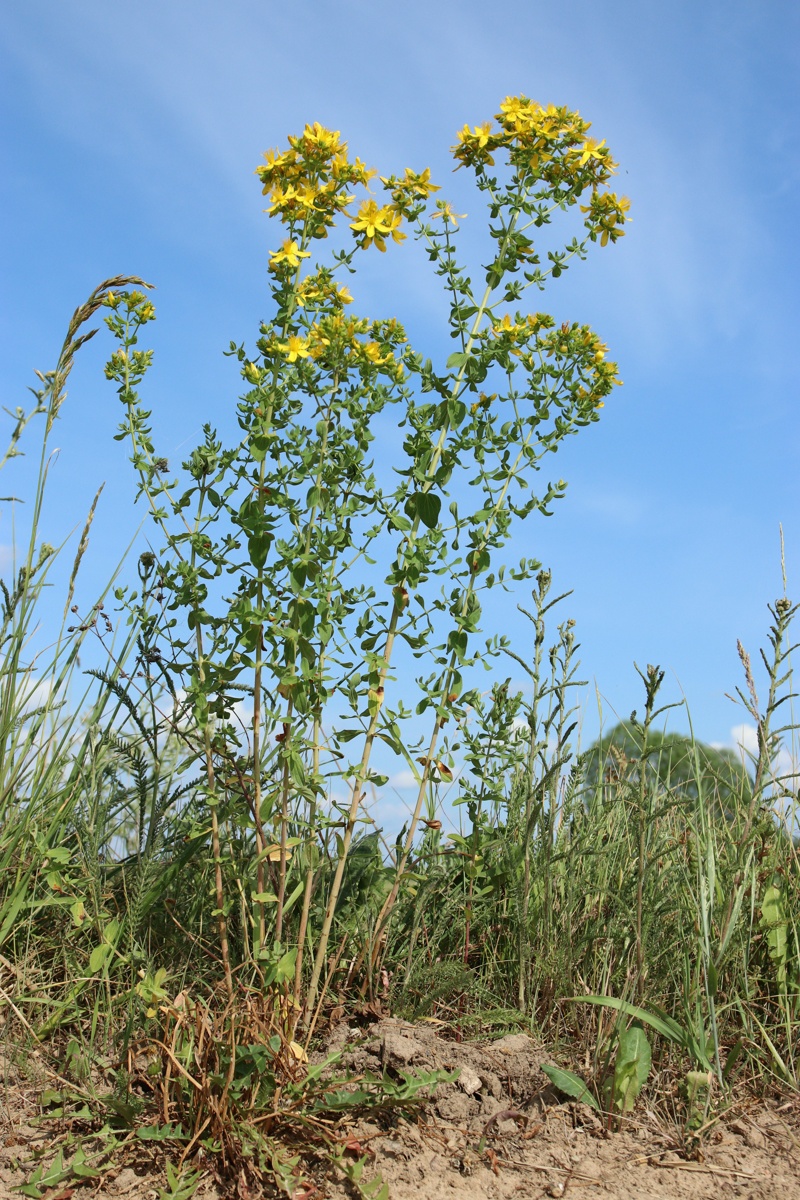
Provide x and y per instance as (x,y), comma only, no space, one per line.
(498,1131)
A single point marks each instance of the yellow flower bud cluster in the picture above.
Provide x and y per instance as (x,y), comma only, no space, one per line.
(135,302)
(319,290)
(607,214)
(124,363)
(574,349)
(410,191)
(583,348)
(117,363)
(252,373)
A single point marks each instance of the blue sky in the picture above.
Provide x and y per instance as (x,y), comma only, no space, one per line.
(132,132)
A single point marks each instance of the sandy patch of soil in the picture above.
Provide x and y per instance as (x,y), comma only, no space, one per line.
(498,1131)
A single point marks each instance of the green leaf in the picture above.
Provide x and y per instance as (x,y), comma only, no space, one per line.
(98,957)
(285,967)
(457,642)
(161,1133)
(571,1085)
(44,1178)
(457,359)
(78,1167)
(632,1067)
(734,1054)
(428,507)
(775,922)
(258,548)
(662,1024)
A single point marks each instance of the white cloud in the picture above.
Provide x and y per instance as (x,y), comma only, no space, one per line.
(33,695)
(784,776)
(745,737)
(403,779)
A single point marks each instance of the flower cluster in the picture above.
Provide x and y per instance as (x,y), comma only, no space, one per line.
(308,184)
(550,146)
(518,330)
(582,347)
(135,302)
(319,291)
(410,192)
(338,343)
(374,224)
(535,338)
(607,213)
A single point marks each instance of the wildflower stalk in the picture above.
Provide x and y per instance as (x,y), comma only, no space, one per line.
(398,606)
(318,366)
(442,708)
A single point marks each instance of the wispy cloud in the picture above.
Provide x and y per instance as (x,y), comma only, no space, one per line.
(402,780)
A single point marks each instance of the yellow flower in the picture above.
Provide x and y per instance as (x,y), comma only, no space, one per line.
(395,222)
(371,220)
(290,253)
(316,140)
(376,223)
(361,173)
(445,212)
(481,134)
(372,351)
(350,172)
(420,182)
(476,144)
(591,149)
(518,114)
(413,182)
(318,289)
(307,197)
(537,321)
(607,212)
(281,198)
(506,326)
(317,137)
(275,166)
(306,293)
(513,106)
(296,347)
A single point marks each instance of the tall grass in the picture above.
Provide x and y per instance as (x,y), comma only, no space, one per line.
(651,869)
(49,715)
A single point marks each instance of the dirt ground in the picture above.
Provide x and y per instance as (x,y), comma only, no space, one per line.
(498,1131)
